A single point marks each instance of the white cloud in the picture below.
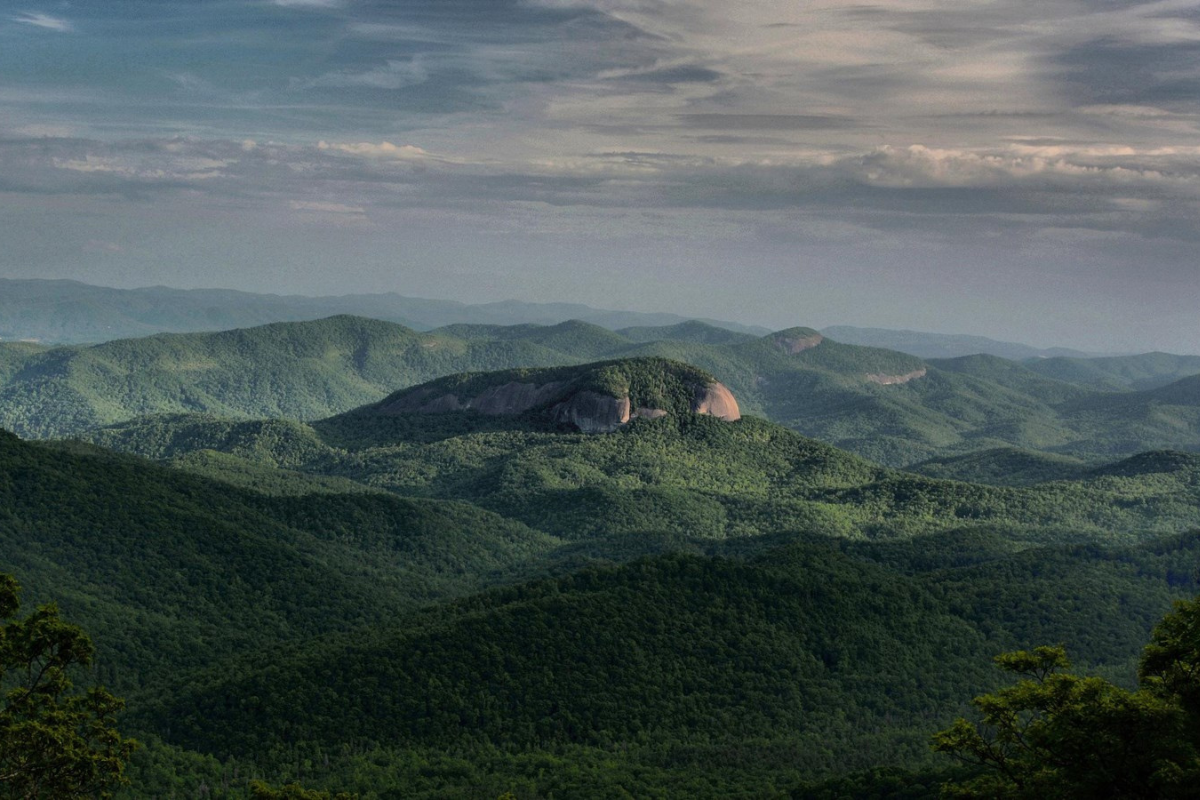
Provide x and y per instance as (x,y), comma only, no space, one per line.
(167,167)
(387,150)
(918,166)
(44,21)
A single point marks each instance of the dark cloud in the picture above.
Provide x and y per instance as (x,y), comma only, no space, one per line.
(1111,70)
(680,74)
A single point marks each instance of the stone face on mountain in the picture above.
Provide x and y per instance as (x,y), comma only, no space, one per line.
(717,400)
(592,412)
(594,398)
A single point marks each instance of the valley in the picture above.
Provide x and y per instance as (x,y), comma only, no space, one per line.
(347,554)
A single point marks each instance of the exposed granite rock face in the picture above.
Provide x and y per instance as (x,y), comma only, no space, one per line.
(422,401)
(511,398)
(891,380)
(797,344)
(592,412)
(589,411)
(515,398)
(717,400)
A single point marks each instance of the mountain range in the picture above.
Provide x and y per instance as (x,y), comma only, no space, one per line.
(888,406)
(62,311)
(466,603)
(70,312)
(945,345)
(566,560)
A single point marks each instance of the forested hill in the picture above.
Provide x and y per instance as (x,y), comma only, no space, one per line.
(335,638)
(303,370)
(887,406)
(155,561)
(683,675)
(681,473)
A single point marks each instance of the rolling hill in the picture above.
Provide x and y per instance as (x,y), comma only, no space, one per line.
(679,473)
(687,606)
(679,675)
(167,568)
(888,406)
(1120,373)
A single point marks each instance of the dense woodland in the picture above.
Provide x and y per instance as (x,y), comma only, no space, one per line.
(1094,410)
(458,605)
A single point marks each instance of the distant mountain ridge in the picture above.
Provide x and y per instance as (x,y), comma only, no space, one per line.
(70,312)
(888,406)
(946,345)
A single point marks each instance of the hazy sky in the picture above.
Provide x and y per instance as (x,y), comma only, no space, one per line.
(1024,170)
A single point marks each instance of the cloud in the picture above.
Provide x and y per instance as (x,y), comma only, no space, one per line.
(681,73)
(768,122)
(42,130)
(325,207)
(1129,188)
(44,21)
(392,75)
(102,246)
(190,82)
(382,150)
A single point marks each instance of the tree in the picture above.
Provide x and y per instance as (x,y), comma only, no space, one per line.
(293,791)
(1060,735)
(54,742)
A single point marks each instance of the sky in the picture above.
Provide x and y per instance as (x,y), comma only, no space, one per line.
(1023,170)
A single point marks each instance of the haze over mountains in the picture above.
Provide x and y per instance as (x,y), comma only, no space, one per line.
(60,311)
(569,559)
(944,345)
(898,496)
(70,312)
(888,406)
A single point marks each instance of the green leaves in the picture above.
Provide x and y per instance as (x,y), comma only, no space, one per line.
(1055,734)
(54,743)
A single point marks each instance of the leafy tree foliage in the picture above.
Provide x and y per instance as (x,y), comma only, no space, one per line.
(54,742)
(1056,734)
(293,791)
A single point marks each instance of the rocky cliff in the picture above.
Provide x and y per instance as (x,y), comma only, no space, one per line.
(594,398)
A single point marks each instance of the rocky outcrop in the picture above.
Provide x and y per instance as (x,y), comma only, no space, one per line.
(717,400)
(891,380)
(515,398)
(582,397)
(509,398)
(591,412)
(421,401)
